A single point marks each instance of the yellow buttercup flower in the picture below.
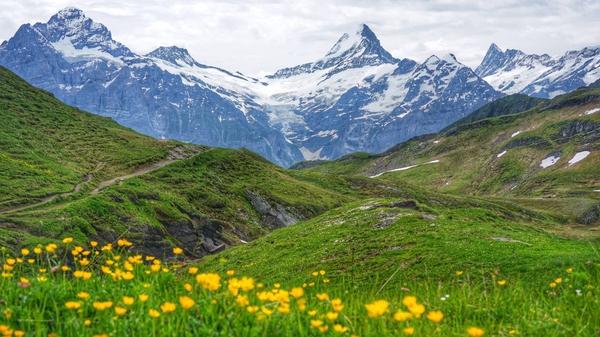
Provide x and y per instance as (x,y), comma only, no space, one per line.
(209,281)
(24,251)
(143,297)
(315,323)
(177,251)
(154,313)
(501,282)
(337,304)
(323,297)
(297,292)
(475,331)
(435,316)
(417,310)
(402,316)
(120,311)
(339,328)
(186,302)
(128,300)
(332,316)
(100,306)
(409,301)
(377,308)
(193,270)
(409,330)
(67,240)
(73,305)
(569,270)
(168,307)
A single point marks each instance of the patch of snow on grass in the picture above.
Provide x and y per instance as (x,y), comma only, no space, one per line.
(404,168)
(501,154)
(592,111)
(579,156)
(547,162)
(515,134)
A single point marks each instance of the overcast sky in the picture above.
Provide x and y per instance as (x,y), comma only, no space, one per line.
(258,36)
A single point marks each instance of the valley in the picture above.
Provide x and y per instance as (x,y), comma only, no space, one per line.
(358,195)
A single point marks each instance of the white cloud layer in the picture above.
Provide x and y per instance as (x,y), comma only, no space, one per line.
(258,36)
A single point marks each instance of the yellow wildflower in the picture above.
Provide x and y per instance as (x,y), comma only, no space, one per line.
(332,316)
(323,297)
(409,330)
(315,323)
(177,251)
(402,316)
(475,331)
(186,302)
(297,292)
(143,297)
(128,300)
(168,307)
(377,308)
(417,310)
(154,313)
(409,301)
(120,311)
(337,304)
(340,328)
(435,316)
(73,305)
(501,282)
(100,306)
(209,281)
(67,240)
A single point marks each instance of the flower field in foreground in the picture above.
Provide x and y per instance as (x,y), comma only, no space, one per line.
(63,289)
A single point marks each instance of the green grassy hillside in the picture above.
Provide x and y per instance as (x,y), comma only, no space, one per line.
(48,148)
(502,156)
(67,172)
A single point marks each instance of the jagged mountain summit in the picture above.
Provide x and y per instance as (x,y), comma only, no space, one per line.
(512,71)
(358,97)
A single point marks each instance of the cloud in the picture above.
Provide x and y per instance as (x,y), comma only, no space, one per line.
(256,36)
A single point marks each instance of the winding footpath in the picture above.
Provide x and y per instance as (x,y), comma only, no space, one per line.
(172,157)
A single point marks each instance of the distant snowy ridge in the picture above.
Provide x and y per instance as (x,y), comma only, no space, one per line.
(513,71)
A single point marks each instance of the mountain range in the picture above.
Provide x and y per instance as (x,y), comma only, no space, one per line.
(358,97)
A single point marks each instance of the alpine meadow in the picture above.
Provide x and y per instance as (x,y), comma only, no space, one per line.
(361,194)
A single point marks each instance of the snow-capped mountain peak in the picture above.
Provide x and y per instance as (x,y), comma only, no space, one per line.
(360,43)
(78,37)
(174,55)
(354,49)
(513,71)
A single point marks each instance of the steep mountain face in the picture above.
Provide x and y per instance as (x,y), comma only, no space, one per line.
(165,94)
(513,71)
(358,97)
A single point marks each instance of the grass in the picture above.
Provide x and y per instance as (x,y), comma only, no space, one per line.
(105,291)
(47,147)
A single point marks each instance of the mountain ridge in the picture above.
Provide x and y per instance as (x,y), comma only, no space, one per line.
(357,97)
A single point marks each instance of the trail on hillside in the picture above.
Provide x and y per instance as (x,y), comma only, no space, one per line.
(173,156)
(138,172)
